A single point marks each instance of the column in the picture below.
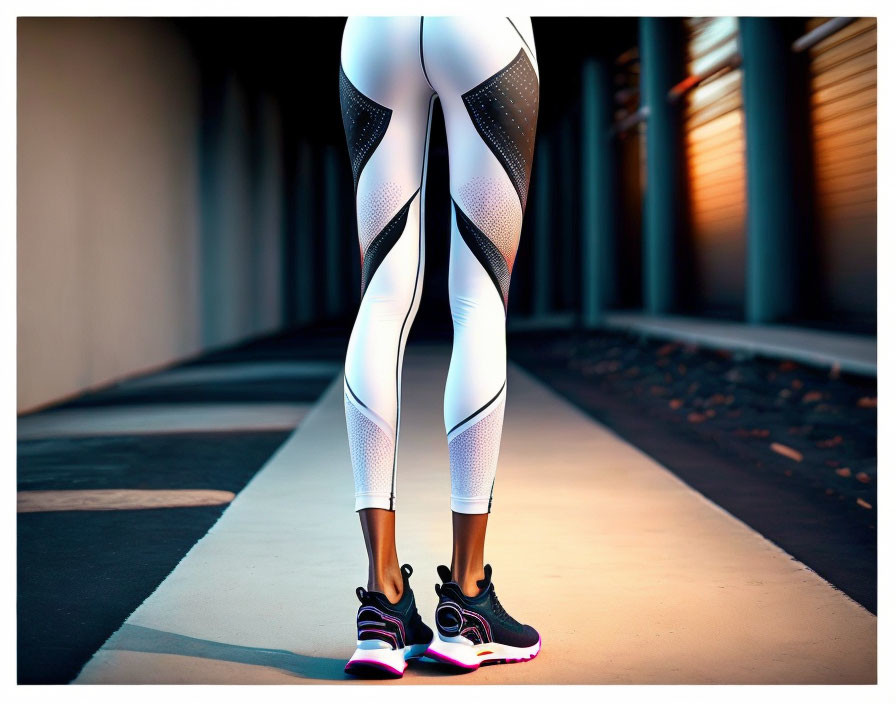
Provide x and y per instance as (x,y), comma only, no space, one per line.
(660,45)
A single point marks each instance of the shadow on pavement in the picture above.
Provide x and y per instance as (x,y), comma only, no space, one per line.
(150,640)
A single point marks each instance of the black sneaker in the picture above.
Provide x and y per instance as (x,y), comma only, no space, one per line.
(388,634)
(476,630)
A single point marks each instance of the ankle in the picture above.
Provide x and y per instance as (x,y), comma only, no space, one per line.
(467,578)
(389,581)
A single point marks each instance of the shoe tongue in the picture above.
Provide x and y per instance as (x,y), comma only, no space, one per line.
(444,573)
(485,581)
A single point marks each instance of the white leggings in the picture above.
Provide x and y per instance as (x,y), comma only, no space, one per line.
(485,73)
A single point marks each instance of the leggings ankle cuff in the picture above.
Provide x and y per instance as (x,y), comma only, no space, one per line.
(470,505)
(374,500)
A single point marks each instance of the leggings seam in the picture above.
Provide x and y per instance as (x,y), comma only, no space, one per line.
(354,395)
(411,306)
(525,43)
(479,410)
(422,62)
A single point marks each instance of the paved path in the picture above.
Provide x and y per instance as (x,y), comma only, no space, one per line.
(642,579)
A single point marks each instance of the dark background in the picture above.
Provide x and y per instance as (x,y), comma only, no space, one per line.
(296,60)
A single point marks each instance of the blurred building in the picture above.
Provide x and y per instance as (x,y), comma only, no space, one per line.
(748,147)
(184,185)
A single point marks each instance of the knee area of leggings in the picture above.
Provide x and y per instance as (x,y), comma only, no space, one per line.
(478,310)
(388,305)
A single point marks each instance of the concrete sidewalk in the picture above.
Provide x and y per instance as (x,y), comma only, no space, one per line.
(640,579)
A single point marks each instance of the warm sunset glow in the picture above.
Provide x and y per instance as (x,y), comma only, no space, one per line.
(843,75)
(714,153)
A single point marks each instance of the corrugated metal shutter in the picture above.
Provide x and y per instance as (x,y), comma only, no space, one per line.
(714,153)
(843,70)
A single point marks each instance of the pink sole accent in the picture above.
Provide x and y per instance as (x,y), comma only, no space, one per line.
(351,667)
(497,661)
(444,658)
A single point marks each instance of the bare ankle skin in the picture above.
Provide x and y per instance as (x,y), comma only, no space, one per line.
(383,574)
(467,563)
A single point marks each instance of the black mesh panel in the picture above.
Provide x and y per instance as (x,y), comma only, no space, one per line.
(486,252)
(384,242)
(365,122)
(504,109)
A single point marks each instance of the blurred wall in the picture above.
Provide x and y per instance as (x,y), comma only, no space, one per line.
(843,119)
(149,227)
(716,170)
(813,116)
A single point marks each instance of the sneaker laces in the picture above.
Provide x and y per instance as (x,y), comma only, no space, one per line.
(499,609)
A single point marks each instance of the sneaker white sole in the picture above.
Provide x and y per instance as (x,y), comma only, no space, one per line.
(379,656)
(462,652)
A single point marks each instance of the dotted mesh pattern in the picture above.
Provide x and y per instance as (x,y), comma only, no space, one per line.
(492,205)
(372,451)
(486,252)
(375,209)
(473,455)
(382,243)
(365,122)
(504,110)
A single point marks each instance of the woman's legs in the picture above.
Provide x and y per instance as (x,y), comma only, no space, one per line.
(486,76)
(468,552)
(387,107)
(383,574)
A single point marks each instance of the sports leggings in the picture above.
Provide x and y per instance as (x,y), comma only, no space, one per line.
(484,72)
